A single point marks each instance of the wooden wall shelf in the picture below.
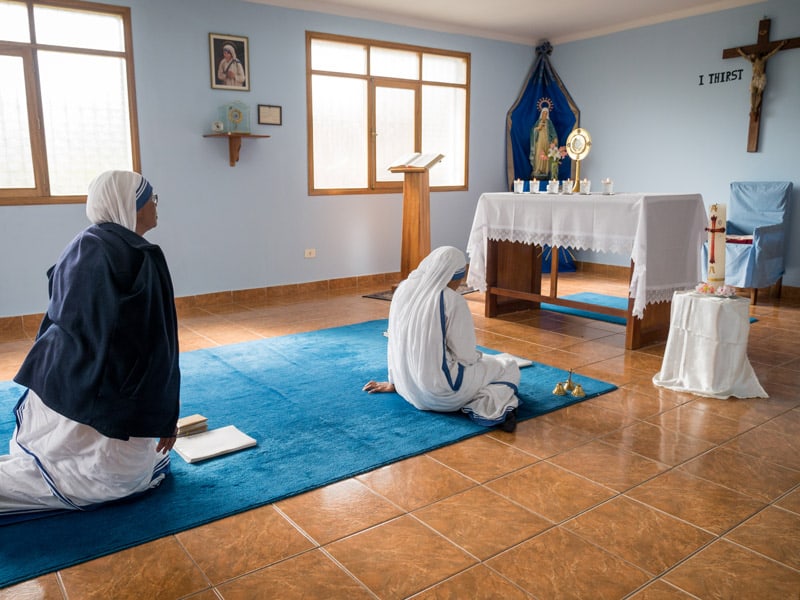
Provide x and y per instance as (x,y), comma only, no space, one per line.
(234,142)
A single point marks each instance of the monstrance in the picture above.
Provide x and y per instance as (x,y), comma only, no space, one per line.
(579,142)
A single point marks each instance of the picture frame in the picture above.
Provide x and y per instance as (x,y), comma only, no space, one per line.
(269,114)
(229,62)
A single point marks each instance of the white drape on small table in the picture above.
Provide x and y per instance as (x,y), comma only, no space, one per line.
(706,352)
(662,233)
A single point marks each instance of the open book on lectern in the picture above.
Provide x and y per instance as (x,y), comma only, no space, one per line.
(416,160)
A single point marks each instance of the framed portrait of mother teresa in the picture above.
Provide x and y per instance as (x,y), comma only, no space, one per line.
(230,62)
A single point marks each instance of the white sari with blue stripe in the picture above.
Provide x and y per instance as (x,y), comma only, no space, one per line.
(433,360)
(57,463)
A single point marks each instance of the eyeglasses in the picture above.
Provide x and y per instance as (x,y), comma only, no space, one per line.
(155,199)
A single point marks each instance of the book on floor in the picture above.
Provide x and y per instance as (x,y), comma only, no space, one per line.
(211,443)
(521,362)
(191,425)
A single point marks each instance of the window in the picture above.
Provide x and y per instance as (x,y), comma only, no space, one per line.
(370,103)
(67,109)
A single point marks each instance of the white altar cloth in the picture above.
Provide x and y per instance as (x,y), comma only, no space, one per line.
(662,233)
(706,352)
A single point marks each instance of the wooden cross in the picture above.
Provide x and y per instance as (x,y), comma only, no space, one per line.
(758,54)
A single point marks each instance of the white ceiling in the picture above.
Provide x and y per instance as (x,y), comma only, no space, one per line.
(521,21)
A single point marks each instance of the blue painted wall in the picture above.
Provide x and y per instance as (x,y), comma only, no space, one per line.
(654,128)
(223,228)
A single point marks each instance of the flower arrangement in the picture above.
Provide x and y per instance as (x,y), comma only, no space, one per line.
(725,291)
(555,154)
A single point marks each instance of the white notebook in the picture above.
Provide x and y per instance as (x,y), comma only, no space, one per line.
(215,442)
(521,362)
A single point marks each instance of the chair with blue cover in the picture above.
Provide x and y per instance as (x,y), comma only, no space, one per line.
(757,223)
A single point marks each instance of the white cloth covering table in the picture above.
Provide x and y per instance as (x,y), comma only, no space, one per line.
(662,233)
(706,352)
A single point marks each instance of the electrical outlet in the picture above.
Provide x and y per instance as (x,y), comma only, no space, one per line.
(310,253)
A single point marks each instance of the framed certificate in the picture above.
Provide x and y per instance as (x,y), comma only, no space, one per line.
(269,115)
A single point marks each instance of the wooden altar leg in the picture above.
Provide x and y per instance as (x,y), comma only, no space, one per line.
(514,266)
(554,272)
(490,302)
(653,327)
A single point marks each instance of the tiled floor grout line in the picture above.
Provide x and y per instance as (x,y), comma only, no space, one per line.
(634,384)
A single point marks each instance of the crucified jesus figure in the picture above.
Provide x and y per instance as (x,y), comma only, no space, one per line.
(759,80)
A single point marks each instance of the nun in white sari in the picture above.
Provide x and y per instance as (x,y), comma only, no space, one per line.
(97,418)
(432,358)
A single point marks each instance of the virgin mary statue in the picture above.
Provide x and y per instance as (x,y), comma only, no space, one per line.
(543,134)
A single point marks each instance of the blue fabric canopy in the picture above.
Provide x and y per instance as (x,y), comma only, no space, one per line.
(543,89)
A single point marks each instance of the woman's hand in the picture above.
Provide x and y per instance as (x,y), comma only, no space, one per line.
(165,444)
(378,386)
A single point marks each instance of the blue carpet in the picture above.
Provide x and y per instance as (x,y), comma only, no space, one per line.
(591,298)
(300,397)
(599,300)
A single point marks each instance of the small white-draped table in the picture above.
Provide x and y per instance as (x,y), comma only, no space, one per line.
(706,352)
(662,233)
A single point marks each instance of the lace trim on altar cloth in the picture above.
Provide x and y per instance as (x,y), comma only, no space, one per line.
(651,295)
(598,243)
(654,296)
(665,294)
(641,293)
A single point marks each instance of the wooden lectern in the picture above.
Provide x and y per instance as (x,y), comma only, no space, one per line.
(416,241)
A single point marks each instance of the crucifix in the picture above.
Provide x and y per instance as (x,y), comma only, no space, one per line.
(758,54)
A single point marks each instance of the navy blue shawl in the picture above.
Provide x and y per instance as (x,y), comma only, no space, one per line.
(106,354)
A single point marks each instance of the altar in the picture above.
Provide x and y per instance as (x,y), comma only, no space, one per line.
(662,234)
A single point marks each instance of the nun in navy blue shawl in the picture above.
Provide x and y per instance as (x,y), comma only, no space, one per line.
(99,415)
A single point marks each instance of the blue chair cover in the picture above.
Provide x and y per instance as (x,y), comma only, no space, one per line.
(760,209)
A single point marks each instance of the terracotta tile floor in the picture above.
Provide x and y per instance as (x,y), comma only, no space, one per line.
(642,493)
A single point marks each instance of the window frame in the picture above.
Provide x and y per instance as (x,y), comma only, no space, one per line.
(40,193)
(372,90)
(373,82)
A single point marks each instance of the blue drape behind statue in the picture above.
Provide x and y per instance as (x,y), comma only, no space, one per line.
(543,90)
